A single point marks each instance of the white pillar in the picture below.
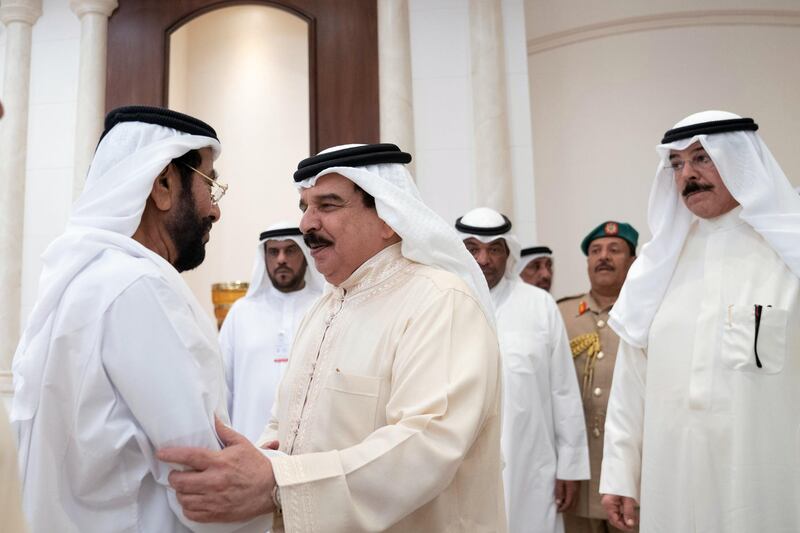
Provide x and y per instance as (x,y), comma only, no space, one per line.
(494,186)
(18,17)
(93,15)
(394,68)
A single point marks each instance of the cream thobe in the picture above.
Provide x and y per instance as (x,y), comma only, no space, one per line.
(255,340)
(11,517)
(706,440)
(544,435)
(390,408)
(115,390)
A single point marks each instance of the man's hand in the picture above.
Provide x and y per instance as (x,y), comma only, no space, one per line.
(621,511)
(566,494)
(271,445)
(231,485)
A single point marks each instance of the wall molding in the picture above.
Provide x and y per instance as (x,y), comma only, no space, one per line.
(732,17)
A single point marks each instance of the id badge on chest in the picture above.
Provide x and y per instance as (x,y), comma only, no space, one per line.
(281,349)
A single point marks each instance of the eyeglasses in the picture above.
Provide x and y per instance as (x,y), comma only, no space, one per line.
(699,161)
(218,189)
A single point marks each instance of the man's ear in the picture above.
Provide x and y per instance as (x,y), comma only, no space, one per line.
(387,233)
(165,188)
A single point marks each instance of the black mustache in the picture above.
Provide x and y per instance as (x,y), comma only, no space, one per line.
(603,264)
(693,186)
(313,240)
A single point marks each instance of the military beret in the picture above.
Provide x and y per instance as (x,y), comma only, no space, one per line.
(612,228)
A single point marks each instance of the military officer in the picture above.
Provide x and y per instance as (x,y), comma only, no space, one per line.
(610,250)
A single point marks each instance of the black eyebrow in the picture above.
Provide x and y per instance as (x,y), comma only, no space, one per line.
(331,197)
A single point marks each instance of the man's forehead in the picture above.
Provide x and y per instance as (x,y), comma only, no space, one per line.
(694,147)
(280,243)
(473,240)
(607,240)
(329,184)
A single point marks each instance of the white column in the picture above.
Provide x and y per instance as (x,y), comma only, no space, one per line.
(93,15)
(394,68)
(494,186)
(18,17)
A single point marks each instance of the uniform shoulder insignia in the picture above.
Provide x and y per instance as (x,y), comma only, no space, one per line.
(565,298)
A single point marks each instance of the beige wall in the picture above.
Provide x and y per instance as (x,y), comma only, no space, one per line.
(606,82)
(245,71)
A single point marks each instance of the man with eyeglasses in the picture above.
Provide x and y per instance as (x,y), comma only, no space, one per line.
(118,357)
(259,329)
(543,439)
(703,427)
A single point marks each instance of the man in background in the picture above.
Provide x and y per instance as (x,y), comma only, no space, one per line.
(544,440)
(536,267)
(610,249)
(257,334)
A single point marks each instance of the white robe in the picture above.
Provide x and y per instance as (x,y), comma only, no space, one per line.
(390,408)
(255,341)
(544,434)
(702,437)
(151,379)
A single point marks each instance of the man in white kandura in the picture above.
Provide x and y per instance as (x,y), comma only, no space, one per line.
(257,333)
(702,425)
(535,266)
(389,411)
(118,357)
(544,435)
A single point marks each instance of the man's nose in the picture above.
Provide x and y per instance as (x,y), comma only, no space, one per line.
(308,222)
(216,213)
(482,258)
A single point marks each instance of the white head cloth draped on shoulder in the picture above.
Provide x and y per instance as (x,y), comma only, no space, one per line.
(769,204)
(487,225)
(126,163)
(427,238)
(281,231)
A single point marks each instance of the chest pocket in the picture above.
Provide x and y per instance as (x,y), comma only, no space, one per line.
(348,408)
(739,339)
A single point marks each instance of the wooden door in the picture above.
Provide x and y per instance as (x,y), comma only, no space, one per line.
(343,62)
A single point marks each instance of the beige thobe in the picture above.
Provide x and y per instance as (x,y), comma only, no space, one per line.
(390,408)
(12,519)
(704,438)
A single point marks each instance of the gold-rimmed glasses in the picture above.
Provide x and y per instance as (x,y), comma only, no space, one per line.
(218,189)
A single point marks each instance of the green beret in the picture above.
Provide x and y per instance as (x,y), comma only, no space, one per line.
(612,228)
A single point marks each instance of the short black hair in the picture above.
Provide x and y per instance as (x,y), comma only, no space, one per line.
(369,200)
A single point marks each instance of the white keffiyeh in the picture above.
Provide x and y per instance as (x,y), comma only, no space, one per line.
(427,238)
(769,204)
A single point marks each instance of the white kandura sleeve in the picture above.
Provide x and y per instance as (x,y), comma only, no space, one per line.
(624,430)
(444,387)
(572,450)
(152,351)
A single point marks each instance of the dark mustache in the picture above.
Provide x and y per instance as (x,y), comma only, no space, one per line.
(312,240)
(603,264)
(693,186)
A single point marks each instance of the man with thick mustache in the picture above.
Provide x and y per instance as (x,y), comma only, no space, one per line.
(610,249)
(388,416)
(703,425)
(259,329)
(118,357)
(544,440)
